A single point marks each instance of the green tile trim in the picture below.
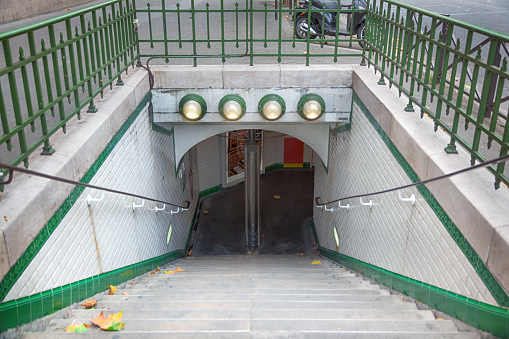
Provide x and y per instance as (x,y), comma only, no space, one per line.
(280,165)
(40,239)
(486,317)
(209,191)
(484,273)
(160,129)
(24,310)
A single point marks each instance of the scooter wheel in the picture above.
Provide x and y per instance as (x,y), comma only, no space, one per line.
(301,28)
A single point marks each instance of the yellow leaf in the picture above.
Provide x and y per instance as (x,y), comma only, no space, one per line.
(5,218)
(249,253)
(89,304)
(180,270)
(205,212)
(440,319)
(110,323)
(112,290)
(277,196)
(316,262)
(77,328)
(158,269)
(402,298)
(169,272)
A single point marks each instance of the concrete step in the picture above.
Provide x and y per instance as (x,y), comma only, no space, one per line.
(247,297)
(150,290)
(173,325)
(230,286)
(258,335)
(128,314)
(274,305)
(258,297)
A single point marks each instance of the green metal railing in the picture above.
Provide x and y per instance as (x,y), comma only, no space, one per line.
(241,30)
(444,75)
(56,68)
(458,82)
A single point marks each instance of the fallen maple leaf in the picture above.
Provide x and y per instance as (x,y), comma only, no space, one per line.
(111,323)
(77,328)
(153,272)
(89,304)
(112,290)
(169,272)
(158,269)
(180,270)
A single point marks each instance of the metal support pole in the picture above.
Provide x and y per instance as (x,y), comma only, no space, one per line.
(252,192)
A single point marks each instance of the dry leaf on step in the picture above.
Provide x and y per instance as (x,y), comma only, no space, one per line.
(112,290)
(111,323)
(89,304)
(77,328)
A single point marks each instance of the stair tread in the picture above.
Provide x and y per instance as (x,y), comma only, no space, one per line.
(258,296)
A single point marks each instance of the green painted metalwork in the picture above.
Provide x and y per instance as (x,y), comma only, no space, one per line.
(422,46)
(309,97)
(232,97)
(199,100)
(54,72)
(216,25)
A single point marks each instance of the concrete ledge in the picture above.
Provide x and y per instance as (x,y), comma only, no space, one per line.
(167,76)
(75,153)
(316,76)
(258,76)
(477,209)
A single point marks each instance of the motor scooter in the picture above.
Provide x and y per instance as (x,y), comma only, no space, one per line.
(328,20)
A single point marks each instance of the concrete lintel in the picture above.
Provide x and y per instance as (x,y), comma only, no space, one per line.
(469,199)
(178,76)
(316,76)
(257,76)
(186,136)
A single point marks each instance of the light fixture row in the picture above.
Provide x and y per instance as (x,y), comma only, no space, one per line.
(232,107)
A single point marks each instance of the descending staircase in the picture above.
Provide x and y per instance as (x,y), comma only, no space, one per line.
(258,296)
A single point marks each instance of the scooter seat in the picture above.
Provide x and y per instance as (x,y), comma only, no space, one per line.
(328,4)
(331,5)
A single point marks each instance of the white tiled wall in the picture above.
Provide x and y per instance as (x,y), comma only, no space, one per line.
(394,235)
(209,162)
(108,235)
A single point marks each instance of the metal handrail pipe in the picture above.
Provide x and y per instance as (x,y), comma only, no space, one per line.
(77,183)
(427,181)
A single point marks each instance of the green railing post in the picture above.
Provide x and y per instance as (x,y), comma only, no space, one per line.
(15,101)
(193,23)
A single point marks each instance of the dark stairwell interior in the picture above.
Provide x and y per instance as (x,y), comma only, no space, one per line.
(286,200)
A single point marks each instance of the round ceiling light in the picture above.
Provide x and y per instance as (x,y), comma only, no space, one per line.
(192,107)
(232,107)
(311,106)
(272,107)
